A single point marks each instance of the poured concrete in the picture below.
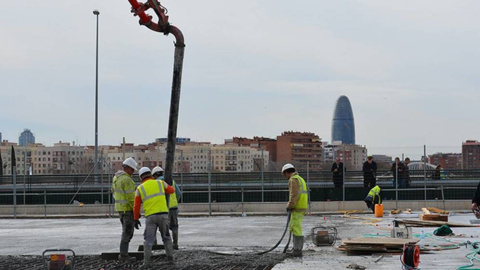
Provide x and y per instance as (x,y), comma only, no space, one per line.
(224,234)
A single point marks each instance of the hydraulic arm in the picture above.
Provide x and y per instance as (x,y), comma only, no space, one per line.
(163,26)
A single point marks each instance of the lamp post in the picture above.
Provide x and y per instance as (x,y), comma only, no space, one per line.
(96,13)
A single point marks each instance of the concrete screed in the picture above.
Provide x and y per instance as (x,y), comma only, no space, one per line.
(225,234)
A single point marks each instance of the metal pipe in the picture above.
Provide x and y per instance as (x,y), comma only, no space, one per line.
(262,168)
(181,173)
(96,13)
(343,175)
(24,172)
(174,107)
(396,185)
(14,179)
(209,190)
(425,171)
(45,203)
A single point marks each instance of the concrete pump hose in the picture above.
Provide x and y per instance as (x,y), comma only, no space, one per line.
(278,243)
(263,252)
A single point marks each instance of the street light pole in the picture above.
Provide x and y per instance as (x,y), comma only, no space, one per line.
(96,13)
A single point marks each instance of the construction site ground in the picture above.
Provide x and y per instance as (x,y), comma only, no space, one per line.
(24,240)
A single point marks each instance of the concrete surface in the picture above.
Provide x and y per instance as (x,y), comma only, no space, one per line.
(225,234)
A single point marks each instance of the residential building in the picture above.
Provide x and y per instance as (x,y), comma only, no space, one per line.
(449,161)
(300,149)
(470,154)
(353,156)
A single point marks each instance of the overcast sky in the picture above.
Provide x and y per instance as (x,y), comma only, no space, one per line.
(252,68)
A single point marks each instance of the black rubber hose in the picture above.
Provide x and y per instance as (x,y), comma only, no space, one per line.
(278,243)
(263,252)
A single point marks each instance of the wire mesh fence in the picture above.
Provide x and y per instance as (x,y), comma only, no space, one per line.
(246,187)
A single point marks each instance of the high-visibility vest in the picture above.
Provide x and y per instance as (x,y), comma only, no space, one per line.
(123,189)
(302,202)
(375,191)
(173,197)
(152,193)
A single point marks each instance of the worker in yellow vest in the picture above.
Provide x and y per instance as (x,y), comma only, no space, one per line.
(123,189)
(297,206)
(152,193)
(157,173)
(373,197)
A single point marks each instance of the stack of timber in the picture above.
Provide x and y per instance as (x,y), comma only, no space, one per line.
(439,215)
(431,223)
(375,244)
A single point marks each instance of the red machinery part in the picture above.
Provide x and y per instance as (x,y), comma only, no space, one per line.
(140,11)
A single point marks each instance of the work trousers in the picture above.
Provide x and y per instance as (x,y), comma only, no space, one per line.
(153,222)
(296,219)
(173,219)
(369,181)
(126,218)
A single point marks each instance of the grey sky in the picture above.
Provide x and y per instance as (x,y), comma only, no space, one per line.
(252,68)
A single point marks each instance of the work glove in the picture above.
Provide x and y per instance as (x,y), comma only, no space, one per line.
(138,224)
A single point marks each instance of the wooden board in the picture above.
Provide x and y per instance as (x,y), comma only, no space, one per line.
(425,223)
(378,241)
(435,217)
(438,210)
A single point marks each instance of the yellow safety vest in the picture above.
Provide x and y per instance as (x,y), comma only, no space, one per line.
(375,191)
(152,193)
(123,189)
(302,202)
(173,197)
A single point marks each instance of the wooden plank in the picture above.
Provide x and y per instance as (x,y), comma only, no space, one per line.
(435,217)
(378,248)
(425,211)
(425,223)
(438,210)
(377,241)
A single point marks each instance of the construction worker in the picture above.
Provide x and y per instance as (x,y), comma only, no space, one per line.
(157,173)
(123,189)
(152,194)
(373,197)
(297,206)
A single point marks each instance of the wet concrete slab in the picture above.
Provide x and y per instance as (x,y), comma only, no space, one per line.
(240,235)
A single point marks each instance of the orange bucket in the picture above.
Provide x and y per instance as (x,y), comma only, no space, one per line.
(378,210)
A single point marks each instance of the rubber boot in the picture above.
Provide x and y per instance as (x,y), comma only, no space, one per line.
(175,239)
(297,246)
(147,255)
(123,256)
(169,250)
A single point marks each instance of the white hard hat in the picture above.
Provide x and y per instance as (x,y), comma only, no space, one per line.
(130,162)
(157,169)
(143,170)
(287,166)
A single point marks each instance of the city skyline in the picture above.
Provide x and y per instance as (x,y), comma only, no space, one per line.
(407,78)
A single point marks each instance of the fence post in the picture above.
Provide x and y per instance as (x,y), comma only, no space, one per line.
(262,168)
(396,185)
(308,184)
(425,172)
(181,174)
(45,202)
(343,175)
(243,206)
(209,188)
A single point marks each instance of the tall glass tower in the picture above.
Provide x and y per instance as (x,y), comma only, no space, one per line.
(343,125)
(26,137)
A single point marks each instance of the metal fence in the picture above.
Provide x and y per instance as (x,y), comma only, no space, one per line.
(243,187)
